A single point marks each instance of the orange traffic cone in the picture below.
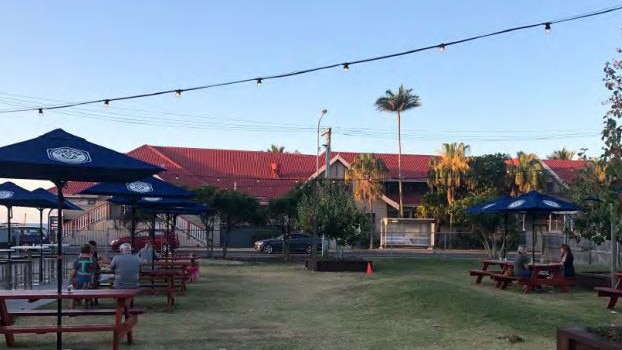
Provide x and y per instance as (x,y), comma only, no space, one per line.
(369,268)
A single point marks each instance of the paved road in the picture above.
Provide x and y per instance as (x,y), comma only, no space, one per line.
(250,254)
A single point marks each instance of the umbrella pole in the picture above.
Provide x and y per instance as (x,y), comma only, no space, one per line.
(41,245)
(173,233)
(505,234)
(132,226)
(533,238)
(59,263)
(152,235)
(8,227)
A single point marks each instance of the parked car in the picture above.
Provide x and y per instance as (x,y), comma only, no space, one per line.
(298,242)
(22,235)
(141,237)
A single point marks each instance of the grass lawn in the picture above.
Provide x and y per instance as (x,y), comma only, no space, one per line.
(406,304)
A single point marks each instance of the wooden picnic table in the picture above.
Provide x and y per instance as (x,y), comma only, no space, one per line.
(503,267)
(190,266)
(613,293)
(125,318)
(551,274)
(162,280)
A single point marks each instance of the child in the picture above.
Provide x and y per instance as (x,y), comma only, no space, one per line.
(85,272)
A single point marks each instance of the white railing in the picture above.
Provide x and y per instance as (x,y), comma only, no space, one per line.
(88,218)
(189,234)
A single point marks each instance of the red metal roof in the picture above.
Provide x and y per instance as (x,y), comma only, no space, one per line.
(565,169)
(414,166)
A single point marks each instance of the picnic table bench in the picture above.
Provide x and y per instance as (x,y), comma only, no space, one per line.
(505,267)
(612,293)
(125,317)
(161,281)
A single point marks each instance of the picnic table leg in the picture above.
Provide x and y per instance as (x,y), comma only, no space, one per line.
(126,311)
(5,320)
(613,299)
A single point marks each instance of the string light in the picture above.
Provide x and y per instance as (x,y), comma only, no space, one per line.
(106,103)
(345,66)
(441,48)
(178,93)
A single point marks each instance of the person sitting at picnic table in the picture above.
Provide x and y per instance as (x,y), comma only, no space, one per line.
(84,273)
(104,259)
(147,255)
(568,260)
(126,268)
(521,264)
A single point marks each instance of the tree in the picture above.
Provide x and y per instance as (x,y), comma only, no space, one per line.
(366,173)
(337,215)
(487,173)
(562,154)
(205,194)
(525,174)
(284,211)
(276,149)
(397,103)
(450,169)
(235,208)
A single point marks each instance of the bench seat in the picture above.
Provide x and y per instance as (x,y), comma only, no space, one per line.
(612,293)
(73,312)
(54,329)
(504,280)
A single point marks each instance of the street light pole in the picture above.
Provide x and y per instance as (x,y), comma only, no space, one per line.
(315,194)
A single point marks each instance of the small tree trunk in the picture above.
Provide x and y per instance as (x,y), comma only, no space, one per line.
(399,163)
(371,227)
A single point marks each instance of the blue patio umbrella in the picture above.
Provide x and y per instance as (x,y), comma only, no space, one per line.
(11,196)
(160,205)
(60,157)
(489,207)
(149,187)
(534,203)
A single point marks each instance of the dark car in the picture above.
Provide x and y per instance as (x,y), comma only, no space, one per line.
(141,237)
(298,242)
(23,235)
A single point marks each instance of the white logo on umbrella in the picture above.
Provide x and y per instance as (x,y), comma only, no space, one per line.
(6,194)
(516,204)
(489,205)
(69,155)
(551,203)
(140,187)
(152,199)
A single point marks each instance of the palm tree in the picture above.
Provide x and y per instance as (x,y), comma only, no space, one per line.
(366,173)
(525,173)
(276,149)
(451,168)
(396,103)
(562,154)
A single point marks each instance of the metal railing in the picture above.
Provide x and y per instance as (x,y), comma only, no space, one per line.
(88,218)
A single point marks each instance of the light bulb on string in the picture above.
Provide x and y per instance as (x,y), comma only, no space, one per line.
(441,48)
(106,103)
(259,82)
(178,93)
(346,67)
(547,27)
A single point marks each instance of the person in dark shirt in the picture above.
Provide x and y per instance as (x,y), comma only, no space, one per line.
(521,264)
(568,260)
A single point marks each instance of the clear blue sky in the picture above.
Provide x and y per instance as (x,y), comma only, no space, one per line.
(524,91)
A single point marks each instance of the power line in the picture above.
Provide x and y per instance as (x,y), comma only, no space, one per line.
(345,65)
(170,120)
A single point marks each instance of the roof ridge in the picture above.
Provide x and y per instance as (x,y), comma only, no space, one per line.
(155,150)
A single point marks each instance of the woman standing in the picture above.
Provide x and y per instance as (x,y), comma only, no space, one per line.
(568,260)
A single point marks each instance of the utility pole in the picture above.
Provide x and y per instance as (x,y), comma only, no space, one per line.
(326,133)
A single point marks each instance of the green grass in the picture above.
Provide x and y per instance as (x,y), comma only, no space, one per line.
(405,304)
